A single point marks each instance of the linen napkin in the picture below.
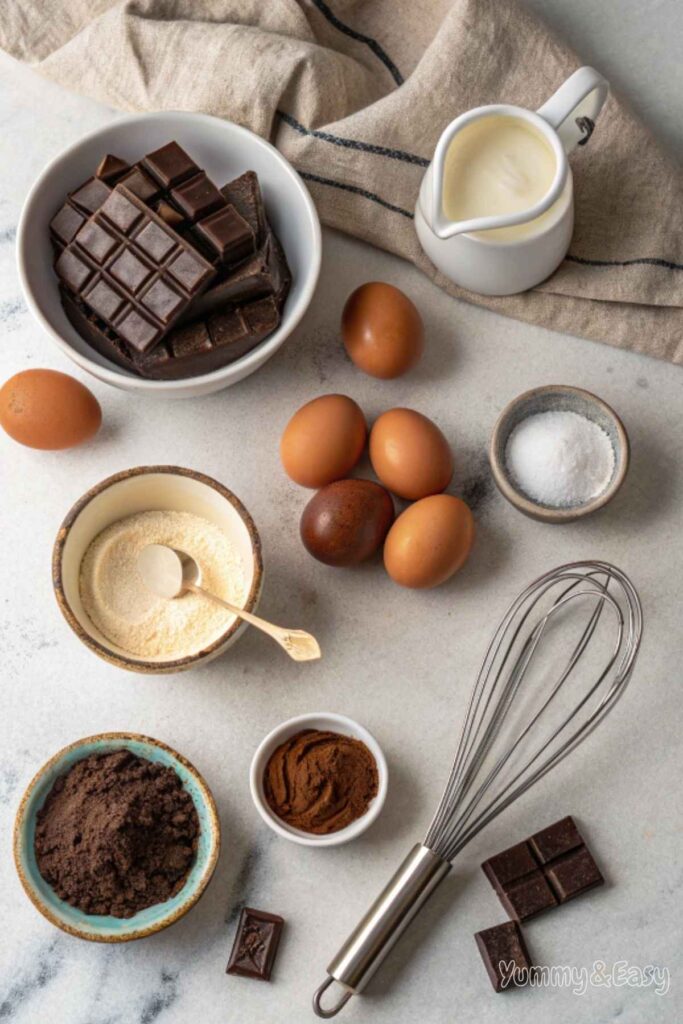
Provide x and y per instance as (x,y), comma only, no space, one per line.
(356,94)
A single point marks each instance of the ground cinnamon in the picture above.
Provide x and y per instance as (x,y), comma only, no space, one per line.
(319,781)
(117,833)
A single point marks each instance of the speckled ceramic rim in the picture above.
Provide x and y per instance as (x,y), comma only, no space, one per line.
(132,664)
(335,723)
(521,501)
(117,739)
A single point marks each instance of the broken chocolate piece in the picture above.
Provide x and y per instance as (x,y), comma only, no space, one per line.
(111,168)
(169,165)
(505,955)
(89,196)
(256,943)
(228,233)
(549,868)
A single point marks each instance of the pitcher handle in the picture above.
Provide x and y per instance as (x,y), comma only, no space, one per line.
(573,109)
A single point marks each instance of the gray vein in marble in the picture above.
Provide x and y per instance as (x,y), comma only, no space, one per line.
(161,999)
(251,871)
(46,965)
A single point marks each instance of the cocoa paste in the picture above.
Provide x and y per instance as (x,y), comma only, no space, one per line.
(116,834)
(320,782)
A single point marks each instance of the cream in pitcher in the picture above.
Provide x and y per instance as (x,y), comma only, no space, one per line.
(497,165)
(495,212)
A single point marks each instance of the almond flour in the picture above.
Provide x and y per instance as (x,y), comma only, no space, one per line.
(119,604)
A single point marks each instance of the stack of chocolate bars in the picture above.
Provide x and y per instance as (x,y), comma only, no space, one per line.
(162,272)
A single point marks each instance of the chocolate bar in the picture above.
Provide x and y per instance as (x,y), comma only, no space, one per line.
(186,351)
(545,870)
(505,955)
(132,270)
(191,327)
(207,345)
(256,944)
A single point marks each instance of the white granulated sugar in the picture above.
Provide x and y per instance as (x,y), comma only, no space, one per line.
(560,458)
(117,601)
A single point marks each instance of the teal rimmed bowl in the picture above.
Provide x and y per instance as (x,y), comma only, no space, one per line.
(100,928)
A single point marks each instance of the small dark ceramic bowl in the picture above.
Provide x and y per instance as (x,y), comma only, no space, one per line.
(557,398)
(151,488)
(97,927)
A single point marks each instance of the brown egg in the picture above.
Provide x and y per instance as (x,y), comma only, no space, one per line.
(323,441)
(47,409)
(382,330)
(409,454)
(347,521)
(429,541)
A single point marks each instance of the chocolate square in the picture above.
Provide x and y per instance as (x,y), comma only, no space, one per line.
(170,165)
(104,300)
(574,874)
(509,865)
(91,195)
(256,943)
(72,270)
(65,224)
(95,241)
(555,840)
(228,233)
(190,340)
(154,241)
(528,897)
(188,271)
(140,184)
(139,332)
(130,271)
(227,328)
(502,946)
(197,197)
(121,212)
(162,301)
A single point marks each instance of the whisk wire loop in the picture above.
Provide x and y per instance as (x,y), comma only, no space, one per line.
(477,789)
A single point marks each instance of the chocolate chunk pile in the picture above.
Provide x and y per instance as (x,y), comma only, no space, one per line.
(165,274)
(116,834)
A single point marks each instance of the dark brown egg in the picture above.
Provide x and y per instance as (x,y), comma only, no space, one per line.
(347,521)
(382,330)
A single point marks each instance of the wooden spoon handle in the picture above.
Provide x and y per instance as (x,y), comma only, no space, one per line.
(300,646)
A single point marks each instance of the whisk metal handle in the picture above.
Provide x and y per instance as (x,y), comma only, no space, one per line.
(387,918)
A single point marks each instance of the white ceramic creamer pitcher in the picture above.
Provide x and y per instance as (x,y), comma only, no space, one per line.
(519,212)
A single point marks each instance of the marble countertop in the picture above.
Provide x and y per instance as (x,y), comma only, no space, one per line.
(401,663)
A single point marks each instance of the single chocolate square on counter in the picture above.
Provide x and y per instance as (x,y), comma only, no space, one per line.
(256,944)
(545,870)
(505,955)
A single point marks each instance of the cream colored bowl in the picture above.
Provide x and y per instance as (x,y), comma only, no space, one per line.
(143,489)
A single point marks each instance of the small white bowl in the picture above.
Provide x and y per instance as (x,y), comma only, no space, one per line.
(225,150)
(151,489)
(324,720)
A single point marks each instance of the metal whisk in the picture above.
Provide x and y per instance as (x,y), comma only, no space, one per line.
(522,720)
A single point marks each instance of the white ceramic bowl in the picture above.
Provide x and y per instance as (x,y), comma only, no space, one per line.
(146,489)
(224,150)
(324,720)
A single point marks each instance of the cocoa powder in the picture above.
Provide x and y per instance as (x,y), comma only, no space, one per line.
(320,781)
(116,834)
